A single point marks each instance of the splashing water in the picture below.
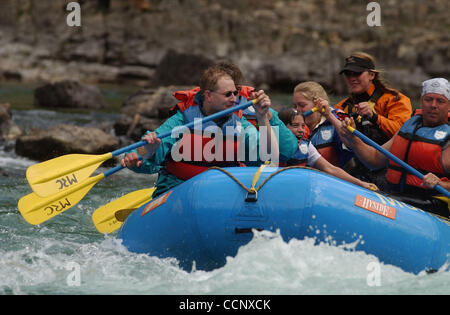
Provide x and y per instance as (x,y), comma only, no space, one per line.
(66,255)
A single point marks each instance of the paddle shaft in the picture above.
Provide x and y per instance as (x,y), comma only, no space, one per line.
(315,109)
(113,170)
(405,165)
(309,112)
(188,125)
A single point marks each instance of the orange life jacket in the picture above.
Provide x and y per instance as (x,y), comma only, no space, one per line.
(245,93)
(186,99)
(421,147)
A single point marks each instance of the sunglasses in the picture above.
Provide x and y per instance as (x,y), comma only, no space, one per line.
(227,94)
(348,73)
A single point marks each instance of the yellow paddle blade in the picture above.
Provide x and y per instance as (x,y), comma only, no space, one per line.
(36,209)
(104,218)
(61,173)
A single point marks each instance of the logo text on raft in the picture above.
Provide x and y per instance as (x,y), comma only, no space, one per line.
(375,206)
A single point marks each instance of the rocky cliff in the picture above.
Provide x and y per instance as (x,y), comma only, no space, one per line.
(277,43)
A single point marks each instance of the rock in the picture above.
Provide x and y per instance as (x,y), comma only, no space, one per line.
(135,75)
(8,128)
(69,94)
(3,173)
(135,127)
(141,4)
(146,110)
(276,43)
(181,68)
(152,103)
(409,80)
(59,140)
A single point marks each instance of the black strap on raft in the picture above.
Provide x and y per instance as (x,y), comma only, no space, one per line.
(252,192)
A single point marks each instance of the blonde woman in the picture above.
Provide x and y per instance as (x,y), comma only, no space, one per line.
(323,134)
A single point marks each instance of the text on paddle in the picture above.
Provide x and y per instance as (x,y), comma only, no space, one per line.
(57,207)
(66,181)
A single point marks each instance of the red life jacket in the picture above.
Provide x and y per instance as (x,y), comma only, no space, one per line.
(186,99)
(329,153)
(193,146)
(307,133)
(246,93)
(421,147)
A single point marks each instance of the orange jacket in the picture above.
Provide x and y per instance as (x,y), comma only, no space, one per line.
(391,114)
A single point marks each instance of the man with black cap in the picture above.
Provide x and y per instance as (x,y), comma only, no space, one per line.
(423,143)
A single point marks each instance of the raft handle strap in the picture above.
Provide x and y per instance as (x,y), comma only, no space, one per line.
(252,192)
(251,196)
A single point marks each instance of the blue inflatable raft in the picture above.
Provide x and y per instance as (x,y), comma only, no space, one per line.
(208,217)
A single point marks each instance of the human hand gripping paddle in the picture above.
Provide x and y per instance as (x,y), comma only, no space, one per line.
(405,165)
(63,185)
(316,109)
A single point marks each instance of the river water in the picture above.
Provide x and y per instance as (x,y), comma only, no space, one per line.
(66,255)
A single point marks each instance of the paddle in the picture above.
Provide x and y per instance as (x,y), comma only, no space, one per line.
(122,215)
(312,110)
(36,209)
(406,166)
(109,217)
(315,109)
(62,173)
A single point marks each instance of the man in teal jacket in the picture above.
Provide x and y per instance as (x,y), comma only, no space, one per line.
(217,92)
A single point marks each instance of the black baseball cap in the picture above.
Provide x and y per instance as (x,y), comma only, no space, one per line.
(356,64)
